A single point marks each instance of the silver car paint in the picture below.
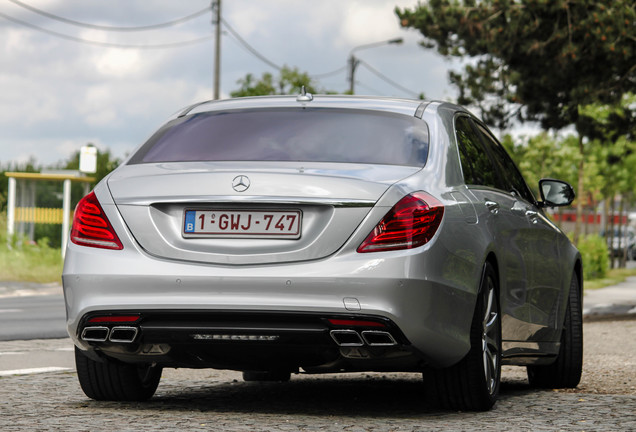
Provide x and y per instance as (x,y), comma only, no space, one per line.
(429,292)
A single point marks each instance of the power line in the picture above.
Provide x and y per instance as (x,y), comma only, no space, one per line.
(110,28)
(373,90)
(328,74)
(248,46)
(387,79)
(105,44)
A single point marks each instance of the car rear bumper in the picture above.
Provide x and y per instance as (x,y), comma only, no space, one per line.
(428,316)
(252,340)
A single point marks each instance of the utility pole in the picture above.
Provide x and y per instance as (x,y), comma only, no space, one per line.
(354,62)
(217,48)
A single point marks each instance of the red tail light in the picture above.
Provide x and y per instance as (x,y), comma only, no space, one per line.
(91,227)
(412,222)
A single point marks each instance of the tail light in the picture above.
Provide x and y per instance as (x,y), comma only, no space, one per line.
(412,222)
(91,227)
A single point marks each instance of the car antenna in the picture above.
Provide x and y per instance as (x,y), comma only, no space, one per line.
(304,96)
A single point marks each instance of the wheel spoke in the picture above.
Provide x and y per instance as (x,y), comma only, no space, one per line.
(491,324)
(490,338)
(490,367)
(489,305)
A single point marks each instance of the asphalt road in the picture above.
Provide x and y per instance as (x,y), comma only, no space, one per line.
(32,317)
(40,390)
(47,396)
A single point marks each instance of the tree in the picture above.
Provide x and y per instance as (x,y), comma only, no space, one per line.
(612,129)
(290,81)
(537,60)
(547,56)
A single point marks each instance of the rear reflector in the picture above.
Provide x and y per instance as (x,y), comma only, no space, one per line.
(114,319)
(411,223)
(355,323)
(91,227)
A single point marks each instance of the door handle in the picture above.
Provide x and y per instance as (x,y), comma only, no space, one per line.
(492,207)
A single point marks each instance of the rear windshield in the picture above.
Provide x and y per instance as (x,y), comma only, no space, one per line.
(310,135)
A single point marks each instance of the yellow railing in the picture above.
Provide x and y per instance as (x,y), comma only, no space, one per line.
(39,215)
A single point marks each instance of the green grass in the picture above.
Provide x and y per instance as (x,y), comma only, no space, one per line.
(613,277)
(28,262)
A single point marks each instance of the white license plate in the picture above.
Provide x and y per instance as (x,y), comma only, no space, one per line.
(243,223)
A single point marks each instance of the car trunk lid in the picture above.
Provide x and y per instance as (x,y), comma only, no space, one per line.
(330,201)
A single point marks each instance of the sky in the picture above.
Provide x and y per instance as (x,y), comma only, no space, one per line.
(58,92)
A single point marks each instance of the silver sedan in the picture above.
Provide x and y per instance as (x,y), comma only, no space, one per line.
(315,234)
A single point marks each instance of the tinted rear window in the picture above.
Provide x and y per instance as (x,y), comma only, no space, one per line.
(311,135)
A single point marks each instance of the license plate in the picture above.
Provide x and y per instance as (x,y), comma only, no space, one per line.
(243,223)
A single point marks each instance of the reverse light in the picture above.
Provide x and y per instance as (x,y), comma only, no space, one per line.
(91,227)
(411,223)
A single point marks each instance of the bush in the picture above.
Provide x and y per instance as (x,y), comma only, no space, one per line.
(595,256)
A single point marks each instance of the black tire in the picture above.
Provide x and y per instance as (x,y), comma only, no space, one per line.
(565,372)
(111,380)
(473,383)
(282,376)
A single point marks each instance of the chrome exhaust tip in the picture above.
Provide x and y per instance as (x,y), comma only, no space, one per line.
(123,334)
(378,338)
(346,338)
(95,334)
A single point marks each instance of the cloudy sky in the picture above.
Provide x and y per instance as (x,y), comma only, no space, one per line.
(59,92)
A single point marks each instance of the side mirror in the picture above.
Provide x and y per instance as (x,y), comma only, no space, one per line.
(555,193)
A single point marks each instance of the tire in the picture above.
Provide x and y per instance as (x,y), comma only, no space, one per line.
(565,372)
(112,380)
(473,383)
(281,376)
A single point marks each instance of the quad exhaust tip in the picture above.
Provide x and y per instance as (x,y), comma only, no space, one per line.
(347,338)
(351,338)
(378,338)
(95,334)
(123,334)
(116,334)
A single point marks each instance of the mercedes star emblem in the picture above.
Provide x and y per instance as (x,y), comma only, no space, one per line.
(241,183)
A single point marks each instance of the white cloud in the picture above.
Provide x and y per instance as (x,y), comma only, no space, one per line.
(97,107)
(118,63)
(368,22)
(56,95)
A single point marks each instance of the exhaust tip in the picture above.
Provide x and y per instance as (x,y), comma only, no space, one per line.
(378,338)
(346,338)
(95,334)
(123,334)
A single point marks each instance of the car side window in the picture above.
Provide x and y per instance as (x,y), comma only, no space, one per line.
(476,165)
(512,178)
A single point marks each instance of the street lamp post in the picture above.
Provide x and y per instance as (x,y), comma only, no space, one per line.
(353,62)
(217,49)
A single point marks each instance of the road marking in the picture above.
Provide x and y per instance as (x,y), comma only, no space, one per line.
(11,310)
(33,371)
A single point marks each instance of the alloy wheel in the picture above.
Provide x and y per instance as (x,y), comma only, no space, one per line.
(491,337)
